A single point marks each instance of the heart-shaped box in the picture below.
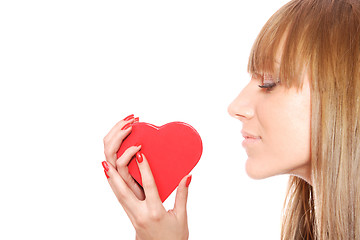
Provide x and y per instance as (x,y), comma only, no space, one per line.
(172,151)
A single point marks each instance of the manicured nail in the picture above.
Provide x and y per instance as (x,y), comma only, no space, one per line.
(126,126)
(139,157)
(136,119)
(105,166)
(129,117)
(107,176)
(188,180)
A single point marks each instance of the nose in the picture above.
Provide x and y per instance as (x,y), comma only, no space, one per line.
(242,107)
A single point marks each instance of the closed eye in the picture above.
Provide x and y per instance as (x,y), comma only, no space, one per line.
(268,86)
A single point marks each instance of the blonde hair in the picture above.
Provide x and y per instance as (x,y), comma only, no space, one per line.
(320,38)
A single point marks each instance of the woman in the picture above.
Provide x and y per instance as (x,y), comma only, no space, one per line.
(300,114)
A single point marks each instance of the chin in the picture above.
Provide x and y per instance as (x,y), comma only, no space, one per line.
(258,171)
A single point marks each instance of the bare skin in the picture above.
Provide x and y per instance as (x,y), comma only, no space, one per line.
(281,119)
(143,205)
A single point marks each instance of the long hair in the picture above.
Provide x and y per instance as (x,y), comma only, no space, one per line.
(320,38)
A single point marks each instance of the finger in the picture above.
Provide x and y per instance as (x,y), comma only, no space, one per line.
(112,144)
(137,189)
(122,168)
(182,195)
(125,158)
(148,182)
(119,125)
(122,192)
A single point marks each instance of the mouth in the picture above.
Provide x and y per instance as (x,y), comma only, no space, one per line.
(249,141)
(247,135)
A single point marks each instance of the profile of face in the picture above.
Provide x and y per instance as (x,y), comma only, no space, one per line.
(280,120)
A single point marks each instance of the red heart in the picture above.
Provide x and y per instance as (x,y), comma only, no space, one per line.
(172,151)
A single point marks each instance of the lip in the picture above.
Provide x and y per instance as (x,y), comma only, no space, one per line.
(248,135)
(249,139)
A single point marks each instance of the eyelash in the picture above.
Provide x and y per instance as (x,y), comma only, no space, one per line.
(268,86)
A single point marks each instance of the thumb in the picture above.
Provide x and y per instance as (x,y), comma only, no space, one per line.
(182,195)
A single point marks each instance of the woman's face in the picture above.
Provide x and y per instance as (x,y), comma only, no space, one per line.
(280,120)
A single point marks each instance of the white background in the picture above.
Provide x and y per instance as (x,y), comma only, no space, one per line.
(71,69)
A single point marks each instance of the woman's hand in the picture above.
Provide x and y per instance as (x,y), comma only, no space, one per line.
(112,142)
(143,205)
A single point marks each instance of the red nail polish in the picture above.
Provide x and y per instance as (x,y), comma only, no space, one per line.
(129,117)
(126,126)
(105,166)
(188,180)
(139,157)
(107,176)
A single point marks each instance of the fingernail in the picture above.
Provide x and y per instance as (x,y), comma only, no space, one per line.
(129,117)
(139,157)
(105,166)
(107,176)
(188,180)
(136,119)
(126,126)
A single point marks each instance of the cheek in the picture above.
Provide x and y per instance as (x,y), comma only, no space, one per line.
(285,131)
